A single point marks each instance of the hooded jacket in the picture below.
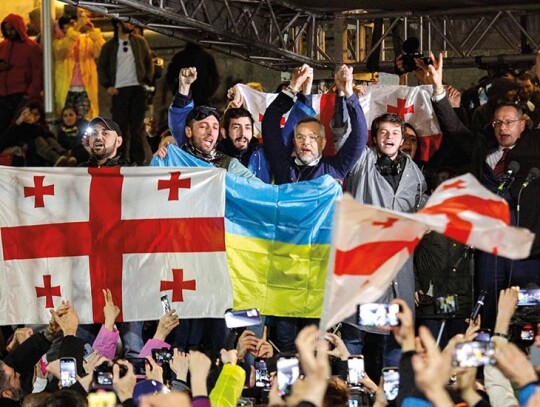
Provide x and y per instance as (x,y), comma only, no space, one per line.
(23,57)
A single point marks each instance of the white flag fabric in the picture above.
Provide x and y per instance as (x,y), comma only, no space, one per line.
(370,244)
(411,103)
(141,232)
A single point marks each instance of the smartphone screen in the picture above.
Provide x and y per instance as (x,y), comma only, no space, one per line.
(446,304)
(68,371)
(262,377)
(390,382)
(527,334)
(165,304)
(473,354)
(242,318)
(355,366)
(529,297)
(161,355)
(378,314)
(288,371)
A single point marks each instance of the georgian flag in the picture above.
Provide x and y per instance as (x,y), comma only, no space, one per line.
(370,244)
(141,232)
(412,104)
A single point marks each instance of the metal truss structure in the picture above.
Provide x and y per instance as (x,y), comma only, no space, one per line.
(280,34)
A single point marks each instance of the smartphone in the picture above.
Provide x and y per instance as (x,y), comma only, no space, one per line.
(288,370)
(103,379)
(446,305)
(68,371)
(242,318)
(378,314)
(88,350)
(484,335)
(162,355)
(473,354)
(139,366)
(262,376)
(390,382)
(527,334)
(355,365)
(165,304)
(529,297)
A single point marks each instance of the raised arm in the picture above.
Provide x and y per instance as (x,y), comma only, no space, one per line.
(182,104)
(352,149)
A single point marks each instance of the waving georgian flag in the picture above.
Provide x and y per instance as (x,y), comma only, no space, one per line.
(142,232)
(370,244)
(412,104)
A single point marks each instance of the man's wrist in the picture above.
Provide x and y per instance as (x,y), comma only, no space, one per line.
(500,334)
(438,90)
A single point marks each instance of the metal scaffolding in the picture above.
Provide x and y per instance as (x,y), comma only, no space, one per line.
(279,34)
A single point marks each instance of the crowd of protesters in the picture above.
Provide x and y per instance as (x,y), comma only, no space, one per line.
(201,362)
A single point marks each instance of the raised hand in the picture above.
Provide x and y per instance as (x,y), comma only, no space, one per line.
(186,77)
(299,76)
(110,311)
(180,364)
(344,80)
(166,324)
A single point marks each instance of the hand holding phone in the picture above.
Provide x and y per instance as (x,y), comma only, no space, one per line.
(165,304)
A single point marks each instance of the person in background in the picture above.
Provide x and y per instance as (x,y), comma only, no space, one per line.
(21,69)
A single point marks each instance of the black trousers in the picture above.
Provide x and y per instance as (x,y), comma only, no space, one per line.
(128,110)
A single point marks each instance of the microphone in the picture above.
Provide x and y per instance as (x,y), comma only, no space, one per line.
(531,176)
(508,177)
(478,306)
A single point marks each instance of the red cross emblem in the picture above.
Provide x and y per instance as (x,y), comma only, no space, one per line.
(401,110)
(48,291)
(38,191)
(174,184)
(178,285)
(386,224)
(105,238)
(457,184)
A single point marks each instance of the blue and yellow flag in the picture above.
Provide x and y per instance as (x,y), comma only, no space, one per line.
(277,240)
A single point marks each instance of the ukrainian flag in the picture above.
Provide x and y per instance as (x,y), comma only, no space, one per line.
(277,239)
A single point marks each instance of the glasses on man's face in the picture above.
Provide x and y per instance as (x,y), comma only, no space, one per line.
(507,123)
(304,137)
(125,44)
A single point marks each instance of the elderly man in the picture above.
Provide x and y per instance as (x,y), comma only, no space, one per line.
(307,161)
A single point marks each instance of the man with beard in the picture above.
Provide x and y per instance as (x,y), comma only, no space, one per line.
(196,129)
(124,66)
(304,161)
(238,142)
(104,139)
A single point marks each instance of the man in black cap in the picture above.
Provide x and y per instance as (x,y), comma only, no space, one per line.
(104,138)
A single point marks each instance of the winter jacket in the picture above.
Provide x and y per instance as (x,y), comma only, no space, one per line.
(141,53)
(24,73)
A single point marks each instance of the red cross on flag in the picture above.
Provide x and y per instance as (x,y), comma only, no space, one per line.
(370,244)
(141,232)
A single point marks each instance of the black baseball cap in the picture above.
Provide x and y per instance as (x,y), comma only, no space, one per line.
(107,123)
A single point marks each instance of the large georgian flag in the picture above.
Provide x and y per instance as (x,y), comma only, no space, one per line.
(412,104)
(141,232)
(370,244)
(277,239)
